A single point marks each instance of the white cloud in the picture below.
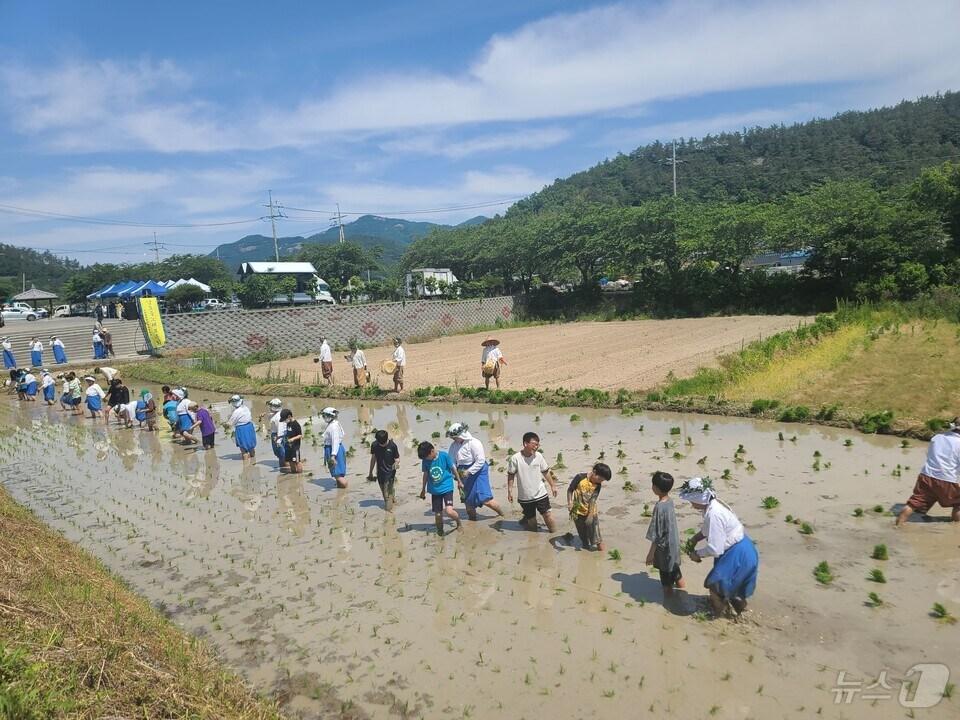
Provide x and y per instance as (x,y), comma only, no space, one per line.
(608,60)
(432,144)
(699,127)
(623,56)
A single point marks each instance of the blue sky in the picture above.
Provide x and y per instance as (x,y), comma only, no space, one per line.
(188,113)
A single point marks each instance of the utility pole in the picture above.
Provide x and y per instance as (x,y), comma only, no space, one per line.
(156,248)
(673,162)
(340,223)
(273,224)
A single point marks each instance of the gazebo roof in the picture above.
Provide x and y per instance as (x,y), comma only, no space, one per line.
(34,294)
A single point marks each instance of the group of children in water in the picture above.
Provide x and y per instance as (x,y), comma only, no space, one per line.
(463,466)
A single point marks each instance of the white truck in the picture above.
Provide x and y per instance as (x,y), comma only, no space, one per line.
(429,282)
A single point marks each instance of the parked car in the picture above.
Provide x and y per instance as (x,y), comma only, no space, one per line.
(211,304)
(39,312)
(12,313)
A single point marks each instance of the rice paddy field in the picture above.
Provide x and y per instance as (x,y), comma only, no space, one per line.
(336,608)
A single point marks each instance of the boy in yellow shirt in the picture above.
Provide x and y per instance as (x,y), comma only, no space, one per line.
(582,495)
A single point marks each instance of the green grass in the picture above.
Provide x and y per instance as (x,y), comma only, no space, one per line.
(879,552)
(770,502)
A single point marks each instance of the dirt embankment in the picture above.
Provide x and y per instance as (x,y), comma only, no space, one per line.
(634,354)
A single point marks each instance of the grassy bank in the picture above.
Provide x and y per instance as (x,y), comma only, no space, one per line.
(75,642)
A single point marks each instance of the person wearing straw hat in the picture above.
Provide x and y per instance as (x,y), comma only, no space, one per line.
(244,434)
(9,361)
(36,353)
(400,363)
(59,352)
(735,561)
(490,361)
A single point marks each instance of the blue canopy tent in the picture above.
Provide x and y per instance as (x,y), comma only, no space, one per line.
(101,292)
(150,288)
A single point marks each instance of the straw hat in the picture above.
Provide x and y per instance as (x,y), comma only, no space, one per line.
(490,341)
(388,367)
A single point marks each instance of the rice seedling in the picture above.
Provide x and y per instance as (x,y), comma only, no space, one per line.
(879,552)
(751,466)
(702,461)
(878,509)
(873,600)
(876,575)
(940,612)
(780,436)
(559,465)
(904,443)
(586,447)
(823,573)
(677,456)
(706,427)
(646,510)
(770,502)
(948,690)
(848,443)
(674,431)
(726,475)
(806,529)
(858,512)
(608,631)
(629,487)
(574,418)
(622,470)
(620,454)
(614,555)
(788,519)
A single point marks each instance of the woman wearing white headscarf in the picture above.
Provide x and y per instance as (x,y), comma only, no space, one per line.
(470,459)
(244,434)
(735,561)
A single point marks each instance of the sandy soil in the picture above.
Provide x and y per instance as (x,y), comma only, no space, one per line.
(313,592)
(635,354)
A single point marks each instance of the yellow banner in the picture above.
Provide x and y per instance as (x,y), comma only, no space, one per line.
(151,322)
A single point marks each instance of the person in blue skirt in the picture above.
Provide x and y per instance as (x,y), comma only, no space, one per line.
(8,360)
(48,386)
(334,452)
(95,395)
(244,434)
(59,351)
(98,351)
(470,459)
(734,575)
(36,353)
(30,385)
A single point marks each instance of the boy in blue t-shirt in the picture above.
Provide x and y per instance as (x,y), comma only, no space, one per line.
(439,473)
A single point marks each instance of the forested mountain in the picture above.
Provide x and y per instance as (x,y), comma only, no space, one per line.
(43,269)
(391,234)
(886,146)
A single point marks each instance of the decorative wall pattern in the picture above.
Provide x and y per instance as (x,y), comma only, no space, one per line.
(296,331)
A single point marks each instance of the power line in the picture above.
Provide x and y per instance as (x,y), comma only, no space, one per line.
(452,208)
(16,210)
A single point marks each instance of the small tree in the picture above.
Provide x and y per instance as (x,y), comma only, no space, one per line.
(257,291)
(430,285)
(286,285)
(185,295)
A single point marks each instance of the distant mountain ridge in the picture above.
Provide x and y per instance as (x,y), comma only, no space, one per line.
(392,234)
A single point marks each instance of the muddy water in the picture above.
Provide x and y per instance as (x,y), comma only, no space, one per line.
(321,596)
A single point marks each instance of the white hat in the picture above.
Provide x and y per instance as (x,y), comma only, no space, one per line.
(457,429)
(236,400)
(275,403)
(177,392)
(329,412)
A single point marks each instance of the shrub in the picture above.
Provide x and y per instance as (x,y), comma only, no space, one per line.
(827,412)
(760,406)
(875,422)
(441,391)
(794,413)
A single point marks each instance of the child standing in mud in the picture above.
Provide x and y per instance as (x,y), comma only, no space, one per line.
(664,535)
(582,495)
(438,476)
(204,421)
(385,455)
(293,434)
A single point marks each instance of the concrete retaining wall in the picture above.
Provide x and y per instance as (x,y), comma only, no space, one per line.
(295,331)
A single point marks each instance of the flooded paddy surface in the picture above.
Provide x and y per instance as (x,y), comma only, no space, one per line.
(318,595)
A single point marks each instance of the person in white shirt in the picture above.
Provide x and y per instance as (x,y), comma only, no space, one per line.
(733,578)
(471,461)
(938,478)
(334,451)
(358,362)
(49,386)
(244,434)
(65,403)
(107,372)
(532,473)
(59,351)
(278,430)
(95,395)
(36,353)
(326,360)
(98,350)
(490,361)
(185,419)
(29,385)
(9,361)
(400,360)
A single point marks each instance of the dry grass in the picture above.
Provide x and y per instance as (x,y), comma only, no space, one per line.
(913,370)
(75,642)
